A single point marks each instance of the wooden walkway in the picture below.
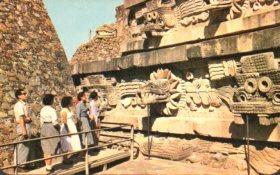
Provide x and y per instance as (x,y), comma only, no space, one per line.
(101,158)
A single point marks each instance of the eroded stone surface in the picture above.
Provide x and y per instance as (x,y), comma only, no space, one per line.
(153,24)
(31,57)
(226,46)
(208,153)
(161,166)
(198,102)
(199,68)
(104,46)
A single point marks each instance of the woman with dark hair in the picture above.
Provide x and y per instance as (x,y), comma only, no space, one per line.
(83,115)
(71,143)
(48,119)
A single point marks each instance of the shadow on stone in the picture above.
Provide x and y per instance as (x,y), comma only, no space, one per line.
(256,131)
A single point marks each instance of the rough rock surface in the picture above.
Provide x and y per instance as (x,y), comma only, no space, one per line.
(108,42)
(209,153)
(99,48)
(31,57)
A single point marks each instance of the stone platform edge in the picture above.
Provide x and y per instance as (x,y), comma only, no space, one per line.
(201,126)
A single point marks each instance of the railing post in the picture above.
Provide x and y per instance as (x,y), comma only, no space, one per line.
(86,157)
(248,144)
(132,142)
(16,159)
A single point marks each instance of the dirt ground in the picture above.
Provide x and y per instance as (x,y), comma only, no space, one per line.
(143,165)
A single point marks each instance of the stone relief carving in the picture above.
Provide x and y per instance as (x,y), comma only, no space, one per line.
(222,69)
(105,89)
(200,98)
(240,8)
(191,95)
(222,155)
(135,30)
(106,31)
(159,88)
(256,90)
(191,12)
(257,85)
(163,87)
(159,17)
(156,17)
(127,93)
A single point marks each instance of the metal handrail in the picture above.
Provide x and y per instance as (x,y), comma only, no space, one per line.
(63,135)
(116,136)
(65,154)
(114,123)
(131,139)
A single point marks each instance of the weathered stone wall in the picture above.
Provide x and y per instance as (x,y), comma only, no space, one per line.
(31,57)
(107,43)
(98,49)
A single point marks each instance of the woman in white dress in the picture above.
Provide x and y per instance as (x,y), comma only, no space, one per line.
(69,143)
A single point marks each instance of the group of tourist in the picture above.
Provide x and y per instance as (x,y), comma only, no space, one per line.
(87,111)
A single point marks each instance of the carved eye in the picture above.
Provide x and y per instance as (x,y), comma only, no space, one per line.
(165,1)
(149,17)
(161,22)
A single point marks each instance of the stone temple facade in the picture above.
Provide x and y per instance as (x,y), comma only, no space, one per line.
(197,68)
(31,57)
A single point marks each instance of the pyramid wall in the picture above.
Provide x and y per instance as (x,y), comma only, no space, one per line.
(31,57)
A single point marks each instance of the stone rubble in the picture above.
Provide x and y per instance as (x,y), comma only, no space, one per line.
(98,49)
(107,43)
(102,47)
